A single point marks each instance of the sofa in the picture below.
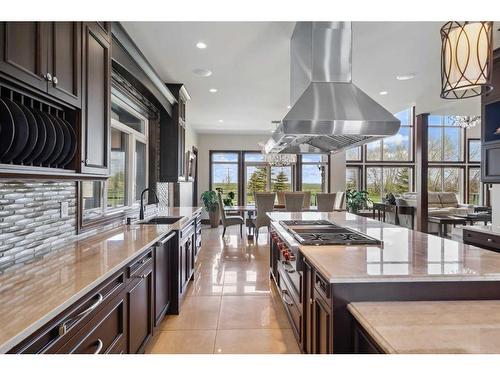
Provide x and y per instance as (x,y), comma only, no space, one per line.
(440,204)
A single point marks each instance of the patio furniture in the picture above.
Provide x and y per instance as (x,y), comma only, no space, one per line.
(264,203)
(228,221)
(294,202)
(326,201)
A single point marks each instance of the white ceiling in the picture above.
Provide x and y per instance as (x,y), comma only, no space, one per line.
(250,64)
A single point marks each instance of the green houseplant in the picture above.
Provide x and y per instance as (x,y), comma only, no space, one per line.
(356,200)
(211,204)
(228,200)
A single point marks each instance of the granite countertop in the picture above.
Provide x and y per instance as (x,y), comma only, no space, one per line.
(33,294)
(406,255)
(460,327)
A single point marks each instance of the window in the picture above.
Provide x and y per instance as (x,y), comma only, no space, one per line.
(399,147)
(224,171)
(383,180)
(448,179)
(474,150)
(352,178)
(128,169)
(445,140)
(261,177)
(474,196)
(353,154)
(314,174)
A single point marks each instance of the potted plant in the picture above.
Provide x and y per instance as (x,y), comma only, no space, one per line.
(211,204)
(356,200)
(229,199)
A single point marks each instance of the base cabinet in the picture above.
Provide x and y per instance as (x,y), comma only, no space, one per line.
(117,316)
(140,305)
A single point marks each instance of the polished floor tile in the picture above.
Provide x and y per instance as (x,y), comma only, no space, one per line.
(197,312)
(250,312)
(255,341)
(184,342)
(231,302)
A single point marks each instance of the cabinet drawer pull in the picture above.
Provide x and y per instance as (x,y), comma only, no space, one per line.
(141,276)
(63,327)
(491,240)
(100,344)
(48,77)
(284,293)
(55,80)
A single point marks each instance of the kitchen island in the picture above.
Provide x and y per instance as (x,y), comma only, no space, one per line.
(427,327)
(318,285)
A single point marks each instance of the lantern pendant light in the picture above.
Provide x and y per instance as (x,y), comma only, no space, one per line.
(466,59)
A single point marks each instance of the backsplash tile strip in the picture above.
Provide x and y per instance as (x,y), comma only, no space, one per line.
(30,221)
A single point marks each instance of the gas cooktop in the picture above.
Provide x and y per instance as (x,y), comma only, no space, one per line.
(324,232)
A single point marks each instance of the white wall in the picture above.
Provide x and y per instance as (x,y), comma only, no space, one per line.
(186,188)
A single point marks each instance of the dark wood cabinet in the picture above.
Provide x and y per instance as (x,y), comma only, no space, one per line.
(322,326)
(45,56)
(140,309)
(163,277)
(23,52)
(64,61)
(490,127)
(490,241)
(173,166)
(307,343)
(97,101)
(105,333)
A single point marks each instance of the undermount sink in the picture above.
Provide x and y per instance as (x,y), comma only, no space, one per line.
(162,220)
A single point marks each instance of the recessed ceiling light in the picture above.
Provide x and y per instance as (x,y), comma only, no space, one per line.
(289,106)
(202,72)
(201,45)
(221,121)
(405,77)
(213,90)
(383,92)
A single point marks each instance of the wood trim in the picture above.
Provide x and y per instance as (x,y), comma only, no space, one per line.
(422,168)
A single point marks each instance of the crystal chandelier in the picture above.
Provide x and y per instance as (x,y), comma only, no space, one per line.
(280,160)
(465,122)
(466,59)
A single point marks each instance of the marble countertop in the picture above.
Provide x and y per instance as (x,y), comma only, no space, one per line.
(33,294)
(405,256)
(460,327)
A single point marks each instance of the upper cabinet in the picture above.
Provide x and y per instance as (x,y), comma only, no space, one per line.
(97,100)
(490,127)
(173,158)
(45,56)
(56,79)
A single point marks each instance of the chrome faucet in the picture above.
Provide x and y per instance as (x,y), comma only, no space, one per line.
(141,211)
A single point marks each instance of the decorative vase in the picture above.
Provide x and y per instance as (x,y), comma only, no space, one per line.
(214,217)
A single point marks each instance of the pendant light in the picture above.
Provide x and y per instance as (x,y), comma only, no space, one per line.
(466,59)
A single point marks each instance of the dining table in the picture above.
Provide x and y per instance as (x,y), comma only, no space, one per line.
(249,211)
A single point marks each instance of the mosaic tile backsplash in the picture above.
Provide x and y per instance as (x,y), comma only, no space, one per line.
(30,219)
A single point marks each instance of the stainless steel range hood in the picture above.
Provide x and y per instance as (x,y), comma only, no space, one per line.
(329,113)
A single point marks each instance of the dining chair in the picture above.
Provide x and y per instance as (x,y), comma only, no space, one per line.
(294,202)
(307,200)
(339,200)
(264,203)
(227,221)
(326,201)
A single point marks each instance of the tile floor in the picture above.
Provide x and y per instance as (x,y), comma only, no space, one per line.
(231,306)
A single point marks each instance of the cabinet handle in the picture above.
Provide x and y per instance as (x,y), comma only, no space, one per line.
(284,293)
(63,327)
(47,77)
(55,80)
(141,276)
(490,240)
(100,344)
